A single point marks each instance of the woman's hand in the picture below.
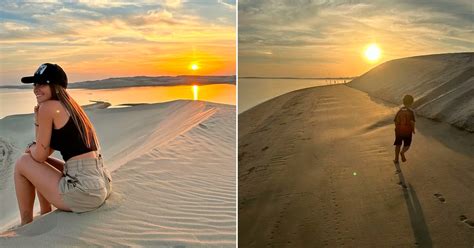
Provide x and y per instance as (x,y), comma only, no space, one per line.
(30,145)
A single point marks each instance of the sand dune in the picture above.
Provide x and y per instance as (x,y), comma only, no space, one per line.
(121,82)
(316,170)
(174,180)
(442,84)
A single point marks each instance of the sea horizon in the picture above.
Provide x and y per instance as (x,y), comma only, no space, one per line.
(16,101)
(268,88)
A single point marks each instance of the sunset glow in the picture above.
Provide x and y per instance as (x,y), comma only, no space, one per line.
(312,42)
(136,39)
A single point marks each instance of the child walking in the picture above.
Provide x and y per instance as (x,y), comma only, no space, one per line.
(404,128)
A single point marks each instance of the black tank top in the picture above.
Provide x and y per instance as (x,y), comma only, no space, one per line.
(68,141)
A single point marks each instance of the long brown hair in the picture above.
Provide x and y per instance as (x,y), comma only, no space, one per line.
(82,122)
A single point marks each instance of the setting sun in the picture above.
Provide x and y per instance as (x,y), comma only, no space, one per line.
(372,52)
(194,67)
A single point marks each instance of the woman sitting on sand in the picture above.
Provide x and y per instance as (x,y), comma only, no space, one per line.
(80,184)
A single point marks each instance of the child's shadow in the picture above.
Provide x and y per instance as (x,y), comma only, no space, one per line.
(417,219)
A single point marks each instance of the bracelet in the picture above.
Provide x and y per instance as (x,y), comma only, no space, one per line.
(31,144)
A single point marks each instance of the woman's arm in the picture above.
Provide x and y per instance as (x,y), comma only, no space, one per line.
(36,121)
(56,163)
(41,150)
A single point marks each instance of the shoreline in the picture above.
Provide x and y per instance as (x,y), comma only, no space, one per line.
(271,88)
(141,81)
(218,93)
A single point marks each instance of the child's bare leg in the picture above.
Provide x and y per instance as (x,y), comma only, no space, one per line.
(402,153)
(397,151)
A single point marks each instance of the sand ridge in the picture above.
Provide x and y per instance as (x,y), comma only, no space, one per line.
(442,84)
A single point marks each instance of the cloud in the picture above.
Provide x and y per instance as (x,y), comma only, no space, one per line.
(101,39)
(340,29)
(103,3)
(228,3)
(12,26)
(154,17)
(173,3)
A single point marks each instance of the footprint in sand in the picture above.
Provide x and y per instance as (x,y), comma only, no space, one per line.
(466,221)
(440,197)
(241,155)
(402,184)
(6,163)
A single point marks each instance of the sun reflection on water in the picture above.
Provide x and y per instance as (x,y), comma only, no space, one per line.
(195,92)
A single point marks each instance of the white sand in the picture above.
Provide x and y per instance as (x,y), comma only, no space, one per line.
(316,170)
(442,84)
(174,180)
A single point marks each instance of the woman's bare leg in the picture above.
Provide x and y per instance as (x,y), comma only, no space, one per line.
(45,205)
(29,175)
(25,195)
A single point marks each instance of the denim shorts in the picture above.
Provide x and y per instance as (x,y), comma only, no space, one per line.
(85,184)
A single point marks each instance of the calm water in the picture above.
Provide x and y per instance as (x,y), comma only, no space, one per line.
(255,91)
(16,101)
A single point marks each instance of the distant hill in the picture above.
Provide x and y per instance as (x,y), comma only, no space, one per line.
(121,82)
(442,85)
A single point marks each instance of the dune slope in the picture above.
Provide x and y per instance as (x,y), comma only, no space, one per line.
(442,84)
(173,177)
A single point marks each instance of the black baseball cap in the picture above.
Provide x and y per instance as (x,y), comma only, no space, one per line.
(47,74)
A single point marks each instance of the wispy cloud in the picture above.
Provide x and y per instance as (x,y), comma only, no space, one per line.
(327,38)
(97,39)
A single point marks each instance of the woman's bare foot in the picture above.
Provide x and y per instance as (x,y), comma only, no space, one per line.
(45,211)
(8,234)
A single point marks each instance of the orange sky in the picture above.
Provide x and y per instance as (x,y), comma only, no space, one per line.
(328,38)
(100,40)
